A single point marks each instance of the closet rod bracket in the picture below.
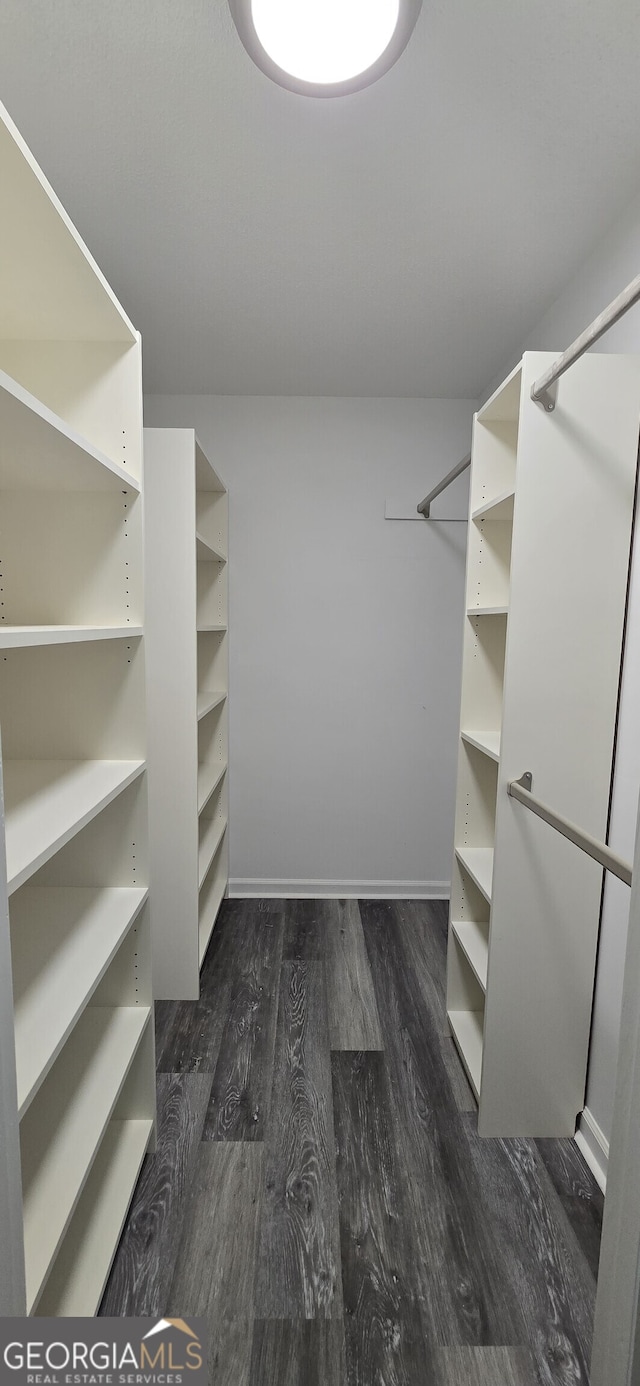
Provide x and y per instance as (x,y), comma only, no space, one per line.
(599,851)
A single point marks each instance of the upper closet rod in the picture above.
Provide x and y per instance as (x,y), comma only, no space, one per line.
(600,851)
(542,391)
(425,505)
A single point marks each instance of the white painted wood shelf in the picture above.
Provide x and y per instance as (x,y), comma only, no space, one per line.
(62,941)
(499,508)
(186,548)
(466,1028)
(206,553)
(209,777)
(487,611)
(77,1108)
(214,830)
(19,637)
(63,1128)
(473,938)
(39,451)
(478,862)
(486,741)
(548,546)
(211,899)
(48,802)
(207,702)
(80,1271)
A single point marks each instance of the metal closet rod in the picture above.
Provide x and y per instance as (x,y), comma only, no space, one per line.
(521,790)
(425,505)
(542,391)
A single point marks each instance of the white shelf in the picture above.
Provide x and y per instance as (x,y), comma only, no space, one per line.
(478,861)
(205,630)
(40,452)
(487,611)
(206,552)
(500,508)
(62,1130)
(486,741)
(474,942)
(503,406)
(207,478)
(50,286)
(211,839)
(466,1027)
(208,916)
(82,1265)
(207,702)
(48,801)
(62,941)
(18,637)
(209,777)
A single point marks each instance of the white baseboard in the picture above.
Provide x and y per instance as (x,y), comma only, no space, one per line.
(245,888)
(593,1146)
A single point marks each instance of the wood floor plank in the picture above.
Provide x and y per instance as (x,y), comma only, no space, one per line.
(425,950)
(492,1366)
(465,1296)
(303,1352)
(305,931)
(215,1266)
(229,1353)
(540,1254)
(143,1266)
(241,1089)
(298,1272)
(353,1013)
(382,1322)
(579,1193)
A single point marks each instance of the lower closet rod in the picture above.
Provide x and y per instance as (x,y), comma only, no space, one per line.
(521,790)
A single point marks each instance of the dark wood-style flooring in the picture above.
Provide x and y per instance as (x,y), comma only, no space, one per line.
(319,1191)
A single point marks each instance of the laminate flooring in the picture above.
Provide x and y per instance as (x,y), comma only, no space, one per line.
(319,1193)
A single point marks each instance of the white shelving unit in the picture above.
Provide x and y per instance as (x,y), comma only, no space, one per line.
(550,517)
(186,539)
(78,1111)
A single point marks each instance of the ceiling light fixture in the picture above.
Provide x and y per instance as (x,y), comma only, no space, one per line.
(325,47)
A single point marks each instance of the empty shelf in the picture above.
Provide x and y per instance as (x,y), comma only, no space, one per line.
(466,1027)
(206,552)
(48,801)
(207,478)
(83,1263)
(209,914)
(474,942)
(487,610)
(61,1132)
(12,637)
(39,451)
(209,777)
(486,741)
(211,839)
(208,701)
(500,508)
(478,861)
(62,941)
(205,629)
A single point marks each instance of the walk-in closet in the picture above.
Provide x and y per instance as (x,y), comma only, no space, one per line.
(319,679)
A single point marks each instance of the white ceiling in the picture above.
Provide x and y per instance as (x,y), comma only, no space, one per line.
(399,241)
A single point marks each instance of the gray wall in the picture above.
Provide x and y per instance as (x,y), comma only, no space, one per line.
(346,637)
(614,264)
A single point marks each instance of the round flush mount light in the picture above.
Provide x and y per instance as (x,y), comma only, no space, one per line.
(325,47)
